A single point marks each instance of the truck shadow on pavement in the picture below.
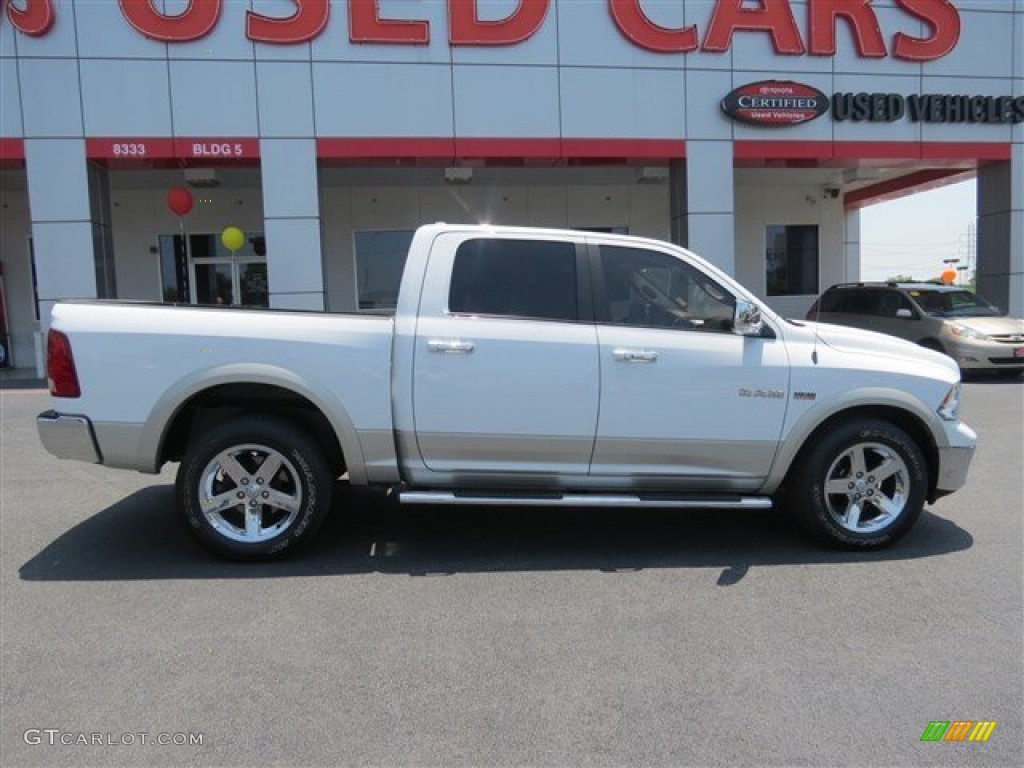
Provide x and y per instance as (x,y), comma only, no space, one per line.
(140,537)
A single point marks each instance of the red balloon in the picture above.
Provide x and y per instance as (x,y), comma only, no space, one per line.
(179,200)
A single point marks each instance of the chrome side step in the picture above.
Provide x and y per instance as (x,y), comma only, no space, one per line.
(603,500)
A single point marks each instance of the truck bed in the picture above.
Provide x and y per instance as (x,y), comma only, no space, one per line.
(138,362)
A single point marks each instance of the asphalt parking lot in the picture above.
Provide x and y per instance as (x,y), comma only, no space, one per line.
(477,638)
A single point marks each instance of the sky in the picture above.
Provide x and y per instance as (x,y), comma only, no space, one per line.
(912,235)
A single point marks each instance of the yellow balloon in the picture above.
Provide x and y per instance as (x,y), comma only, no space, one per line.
(233,238)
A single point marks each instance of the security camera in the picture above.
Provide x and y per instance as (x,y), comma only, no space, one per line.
(831,193)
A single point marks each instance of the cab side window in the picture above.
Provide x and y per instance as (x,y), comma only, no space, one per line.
(650,289)
(533,279)
(861,302)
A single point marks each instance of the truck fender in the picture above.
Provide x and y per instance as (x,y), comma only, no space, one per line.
(166,408)
(867,397)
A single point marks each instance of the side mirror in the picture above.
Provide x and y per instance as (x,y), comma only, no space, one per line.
(746,319)
(906,314)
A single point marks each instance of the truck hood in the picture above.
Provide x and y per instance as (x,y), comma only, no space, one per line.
(856,341)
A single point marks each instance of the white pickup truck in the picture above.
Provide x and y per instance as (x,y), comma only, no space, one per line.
(521,366)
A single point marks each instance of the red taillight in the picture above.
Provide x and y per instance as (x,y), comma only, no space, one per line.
(60,366)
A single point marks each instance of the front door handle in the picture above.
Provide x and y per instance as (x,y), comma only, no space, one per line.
(450,346)
(635,355)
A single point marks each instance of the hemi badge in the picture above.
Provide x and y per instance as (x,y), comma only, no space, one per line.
(804,395)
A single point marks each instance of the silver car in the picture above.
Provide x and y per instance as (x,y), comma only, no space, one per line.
(945,318)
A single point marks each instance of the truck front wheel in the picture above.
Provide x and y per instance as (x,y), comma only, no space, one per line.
(253,488)
(861,487)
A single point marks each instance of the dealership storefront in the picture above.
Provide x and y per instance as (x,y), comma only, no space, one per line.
(133,133)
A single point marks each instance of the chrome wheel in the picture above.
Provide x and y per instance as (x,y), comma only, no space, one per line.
(250,493)
(867,487)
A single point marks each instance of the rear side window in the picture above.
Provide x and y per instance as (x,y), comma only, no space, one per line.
(515,278)
(832,301)
(852,301)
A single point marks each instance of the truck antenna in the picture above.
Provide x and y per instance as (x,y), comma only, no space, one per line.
(817,319)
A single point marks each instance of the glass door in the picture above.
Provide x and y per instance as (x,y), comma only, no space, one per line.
(207,273)
(213,282)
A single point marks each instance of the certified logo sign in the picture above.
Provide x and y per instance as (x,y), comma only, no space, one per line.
(775,103)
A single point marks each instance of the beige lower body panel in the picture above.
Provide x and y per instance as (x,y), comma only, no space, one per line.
(379,457)
(629,466)
(120,445)
(725,459)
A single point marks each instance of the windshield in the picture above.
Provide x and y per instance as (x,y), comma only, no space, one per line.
(953,304)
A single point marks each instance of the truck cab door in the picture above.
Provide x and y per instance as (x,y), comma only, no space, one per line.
(685,402)
(505,367)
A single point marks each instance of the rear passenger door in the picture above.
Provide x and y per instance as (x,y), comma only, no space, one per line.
(505,365)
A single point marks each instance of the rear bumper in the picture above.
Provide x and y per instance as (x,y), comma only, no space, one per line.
(68,437)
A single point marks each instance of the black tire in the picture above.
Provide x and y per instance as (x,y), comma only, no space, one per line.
(834,504)
(932,344)
(261,515)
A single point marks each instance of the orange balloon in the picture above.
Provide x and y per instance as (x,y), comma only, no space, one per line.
(948,276)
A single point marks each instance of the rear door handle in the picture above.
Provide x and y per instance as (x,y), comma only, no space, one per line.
(450,346)
(635,355)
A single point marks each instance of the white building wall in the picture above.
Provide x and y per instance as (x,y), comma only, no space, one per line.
(711,202)
(62,220)
(10,114)
(851,246)
(766,198)
(291,209)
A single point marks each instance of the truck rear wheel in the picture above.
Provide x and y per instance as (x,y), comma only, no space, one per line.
(861,487)
(253,488)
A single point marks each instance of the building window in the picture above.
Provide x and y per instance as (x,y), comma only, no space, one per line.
(380,259)
(791,259)
(515,278)
(208,273)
